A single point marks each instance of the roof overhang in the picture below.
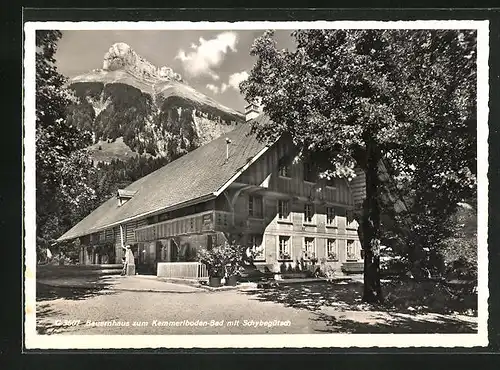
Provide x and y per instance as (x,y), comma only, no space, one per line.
(179,205)
(244,168)
(142,215)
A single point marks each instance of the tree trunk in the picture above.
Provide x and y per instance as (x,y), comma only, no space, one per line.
(370,226)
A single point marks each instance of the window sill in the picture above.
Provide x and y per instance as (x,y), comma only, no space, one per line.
(288,260)
(351,228)
(284,177)
(283,221)
(351,260)
(310,182)
(309,224)
(330,187)
(328,260)
(331,226)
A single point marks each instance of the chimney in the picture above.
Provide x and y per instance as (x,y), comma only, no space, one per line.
(251,111)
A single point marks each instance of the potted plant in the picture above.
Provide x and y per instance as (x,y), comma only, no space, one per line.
(234,260)
(313,259)
(332,256)
(215,261)
(222,261)
(284,256)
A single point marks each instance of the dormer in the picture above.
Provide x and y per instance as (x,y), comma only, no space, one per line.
(124,196)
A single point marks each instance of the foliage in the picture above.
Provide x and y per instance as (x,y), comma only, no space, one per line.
(222,260)
(326,269)
(459,252)
(332,256)
(355,98)
(59,147)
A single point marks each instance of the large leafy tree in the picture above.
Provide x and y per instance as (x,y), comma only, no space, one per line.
(351,98)
(437,163)
(62,168)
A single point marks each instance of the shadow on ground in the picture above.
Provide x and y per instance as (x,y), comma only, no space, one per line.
(45,313)
(400,296)
(93,286)
(396,324)
(410,307)
(312,296)
(45,324)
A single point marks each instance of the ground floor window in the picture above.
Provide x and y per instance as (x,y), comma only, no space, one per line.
(309,251)
(284,248)
(332,250)
(351,250)
(255,244)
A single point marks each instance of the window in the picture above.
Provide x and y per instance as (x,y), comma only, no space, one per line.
(284,167)
(351,253)
(330,216)
(308,172)
(283,209)
(309,248)
(255,244)
(211,241)
(308,212)
(331,183)
(350,220)
(284,248)
(331,250)
(255,206)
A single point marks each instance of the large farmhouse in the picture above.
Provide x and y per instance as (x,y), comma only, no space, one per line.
(233,187)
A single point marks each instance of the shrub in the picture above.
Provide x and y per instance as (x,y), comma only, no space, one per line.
(222,260)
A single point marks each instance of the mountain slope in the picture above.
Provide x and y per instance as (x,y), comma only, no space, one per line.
(151,108)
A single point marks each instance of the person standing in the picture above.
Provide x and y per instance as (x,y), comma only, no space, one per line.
(128,259)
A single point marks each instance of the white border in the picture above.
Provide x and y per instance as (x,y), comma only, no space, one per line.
(35,341)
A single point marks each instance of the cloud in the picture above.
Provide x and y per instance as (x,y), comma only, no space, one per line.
(213,88)
(208,54)
(236,78)
(233,82)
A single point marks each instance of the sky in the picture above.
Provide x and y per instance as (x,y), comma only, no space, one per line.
(212,61)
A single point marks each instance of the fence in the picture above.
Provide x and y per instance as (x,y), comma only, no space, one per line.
(190,270)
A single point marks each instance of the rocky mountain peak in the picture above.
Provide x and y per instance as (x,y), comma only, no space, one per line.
(121,56)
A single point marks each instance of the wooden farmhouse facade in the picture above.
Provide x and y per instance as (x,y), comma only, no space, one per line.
(234,187)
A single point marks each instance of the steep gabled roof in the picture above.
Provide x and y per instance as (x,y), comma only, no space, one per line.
(199,174)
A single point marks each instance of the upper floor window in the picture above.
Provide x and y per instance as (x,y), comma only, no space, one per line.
(332,182)
(308,212)
(330,216)
(284,167)
(255,206)
(308,172)
(284,248)
(283,209)
(350,220)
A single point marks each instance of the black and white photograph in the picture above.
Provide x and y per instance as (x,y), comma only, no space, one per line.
(256,184)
